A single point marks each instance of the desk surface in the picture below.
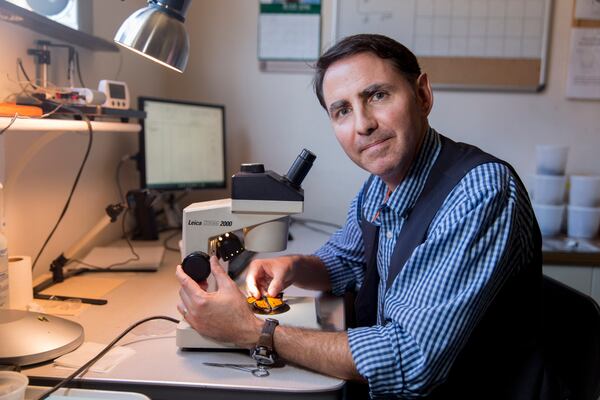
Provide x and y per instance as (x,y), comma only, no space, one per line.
(160,370)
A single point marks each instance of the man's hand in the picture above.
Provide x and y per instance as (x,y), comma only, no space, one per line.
(270,276)
(223,315)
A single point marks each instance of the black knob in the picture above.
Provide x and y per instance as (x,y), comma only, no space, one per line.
(254,168)
(300,168)
(228,246)
(197,266)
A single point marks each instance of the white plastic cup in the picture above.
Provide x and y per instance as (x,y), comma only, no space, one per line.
(12,385)
(583,222)
(551,159)
(549,189)
(550,218)
(585,190)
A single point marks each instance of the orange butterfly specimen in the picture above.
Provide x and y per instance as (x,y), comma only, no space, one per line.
(268,305)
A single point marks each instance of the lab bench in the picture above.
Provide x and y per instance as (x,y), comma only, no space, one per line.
(160,370)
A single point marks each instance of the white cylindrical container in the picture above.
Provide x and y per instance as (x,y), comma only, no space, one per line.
(550,218)
(549,189)
(583,222)
(551,159)
(19,282)
(585,190)
(12,385)
(3,256)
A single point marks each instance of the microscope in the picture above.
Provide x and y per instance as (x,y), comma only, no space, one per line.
(260,205)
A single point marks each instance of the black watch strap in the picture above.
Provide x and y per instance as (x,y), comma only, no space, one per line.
(266,336)
(264,352)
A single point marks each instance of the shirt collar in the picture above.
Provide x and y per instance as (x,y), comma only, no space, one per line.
(403,198)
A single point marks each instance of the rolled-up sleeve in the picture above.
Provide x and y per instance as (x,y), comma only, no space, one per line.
(445,287)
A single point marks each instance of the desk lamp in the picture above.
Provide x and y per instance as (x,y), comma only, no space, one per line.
(157,32)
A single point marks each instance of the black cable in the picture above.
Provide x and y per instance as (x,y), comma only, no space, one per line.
(166,244)
(78,68)
(12,121)
(135,257)
(87,365)
(20,62)
(77,177)
(316,221)
(306,223)
(118,177)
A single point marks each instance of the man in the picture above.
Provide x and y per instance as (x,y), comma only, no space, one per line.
(441,243)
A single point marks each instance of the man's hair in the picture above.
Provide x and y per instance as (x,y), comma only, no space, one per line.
(401,58)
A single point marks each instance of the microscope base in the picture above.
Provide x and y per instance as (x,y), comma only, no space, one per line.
(302,313)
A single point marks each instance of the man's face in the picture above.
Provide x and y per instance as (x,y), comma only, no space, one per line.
(378,117)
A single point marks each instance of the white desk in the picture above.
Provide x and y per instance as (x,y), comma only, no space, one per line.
(161,371)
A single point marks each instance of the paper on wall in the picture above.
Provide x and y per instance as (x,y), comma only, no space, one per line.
(587,9)
(583,80)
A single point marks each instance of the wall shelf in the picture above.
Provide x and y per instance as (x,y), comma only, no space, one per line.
(65,125)
(17,15)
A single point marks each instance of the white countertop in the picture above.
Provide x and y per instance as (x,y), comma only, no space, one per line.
(159,369)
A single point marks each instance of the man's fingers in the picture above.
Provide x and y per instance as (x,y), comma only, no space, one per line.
(275,288)
(253,289)
(218,272)
(187,283)
(251,279)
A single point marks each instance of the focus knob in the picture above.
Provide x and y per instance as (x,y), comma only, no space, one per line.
(253,168)
(197,266)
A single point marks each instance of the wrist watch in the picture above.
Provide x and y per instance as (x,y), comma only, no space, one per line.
(264,352)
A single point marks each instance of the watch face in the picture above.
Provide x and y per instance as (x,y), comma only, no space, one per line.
(263,356)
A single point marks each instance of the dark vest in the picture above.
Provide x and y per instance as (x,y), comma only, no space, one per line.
(502,358)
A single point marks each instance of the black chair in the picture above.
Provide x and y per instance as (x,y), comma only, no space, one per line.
(571,331)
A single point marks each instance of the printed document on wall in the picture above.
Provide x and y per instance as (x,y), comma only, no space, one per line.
(583,81)
(289,30)
(587,9)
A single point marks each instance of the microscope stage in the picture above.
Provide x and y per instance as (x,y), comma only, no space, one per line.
(302,313)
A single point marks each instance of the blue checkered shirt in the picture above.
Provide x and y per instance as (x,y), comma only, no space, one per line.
(428,313)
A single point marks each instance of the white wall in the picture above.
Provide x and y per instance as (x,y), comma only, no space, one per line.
(271,116)
(34,203)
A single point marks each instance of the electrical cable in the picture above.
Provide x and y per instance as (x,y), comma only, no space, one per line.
(135,257)
(78,68)
(118,175)
(306,222)
(166,244)
(316,221)
(106,349)
(77,177)
(12,121)
(20,63)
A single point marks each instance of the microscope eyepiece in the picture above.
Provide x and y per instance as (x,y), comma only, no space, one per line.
(300,168)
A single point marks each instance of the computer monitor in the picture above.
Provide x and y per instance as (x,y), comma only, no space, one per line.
(182,145)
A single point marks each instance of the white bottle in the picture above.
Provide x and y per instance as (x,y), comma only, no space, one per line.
(3,256)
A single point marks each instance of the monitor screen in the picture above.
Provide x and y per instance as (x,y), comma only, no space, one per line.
(182,145)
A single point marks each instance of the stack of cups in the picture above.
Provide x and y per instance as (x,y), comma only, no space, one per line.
(549,184)
(584,206)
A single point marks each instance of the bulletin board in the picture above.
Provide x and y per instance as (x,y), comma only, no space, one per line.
(461,44)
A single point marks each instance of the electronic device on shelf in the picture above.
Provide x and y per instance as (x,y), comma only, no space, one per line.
(116,92)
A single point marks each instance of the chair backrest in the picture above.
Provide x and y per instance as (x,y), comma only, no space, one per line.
(571,331)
